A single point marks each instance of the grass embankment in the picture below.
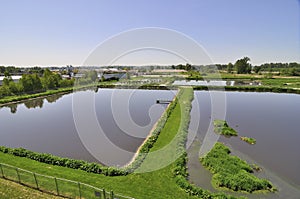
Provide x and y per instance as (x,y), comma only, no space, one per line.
(9,190)
(221,127)
(168,178)
(16,98)
(231,172)
(26,96)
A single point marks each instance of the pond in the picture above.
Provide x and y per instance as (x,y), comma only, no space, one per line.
(272,119)
(47,124)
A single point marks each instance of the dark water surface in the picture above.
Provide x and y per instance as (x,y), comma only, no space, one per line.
(273,120)
(47,124)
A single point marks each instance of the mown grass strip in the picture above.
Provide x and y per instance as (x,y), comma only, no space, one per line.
(9,190)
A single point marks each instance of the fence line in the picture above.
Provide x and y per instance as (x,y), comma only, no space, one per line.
(56,186)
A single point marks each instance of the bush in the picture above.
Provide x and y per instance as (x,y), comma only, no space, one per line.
(65,162)
(221,127)
(232,172)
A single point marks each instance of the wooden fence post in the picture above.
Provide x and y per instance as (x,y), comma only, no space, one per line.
(19,179)
(111,194)
(56,186)
(79,190)
(104,193)
(2,171)
(36,182)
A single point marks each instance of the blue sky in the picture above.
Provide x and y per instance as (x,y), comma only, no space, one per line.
(61,32)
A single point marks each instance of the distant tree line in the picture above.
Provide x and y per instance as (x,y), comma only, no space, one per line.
(242,66)
(33,83)
(186,67)
(18,70)
(290,69)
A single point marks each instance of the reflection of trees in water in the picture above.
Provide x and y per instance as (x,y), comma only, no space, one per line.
(13,108)
(34,103)
(53,98)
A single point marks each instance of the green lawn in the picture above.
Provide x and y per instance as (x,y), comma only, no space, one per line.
(9,190)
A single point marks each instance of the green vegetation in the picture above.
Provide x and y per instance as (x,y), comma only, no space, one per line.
(287,69)
(249,140)
(52,184)
(231,172)
(63,162)
(221,127)
(145,148)
(36,85)
(242,66)
(16,98)
(193,75)
(31,84)
(9,189)
(256,167)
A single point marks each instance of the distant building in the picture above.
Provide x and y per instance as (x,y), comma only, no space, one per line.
(15,78)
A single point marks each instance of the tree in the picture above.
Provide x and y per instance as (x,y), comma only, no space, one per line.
(230,67)
(257,69)
(188,67)
(7,78)
(31,82)
(242,66)
(92,75)
(50,80)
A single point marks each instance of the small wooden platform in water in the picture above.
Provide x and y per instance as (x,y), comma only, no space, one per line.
(159,101)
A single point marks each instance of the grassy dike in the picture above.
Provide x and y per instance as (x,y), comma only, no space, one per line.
(19,98)
(168,178)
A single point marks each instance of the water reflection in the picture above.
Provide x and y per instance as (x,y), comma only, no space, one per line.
(33,103)
(36,103)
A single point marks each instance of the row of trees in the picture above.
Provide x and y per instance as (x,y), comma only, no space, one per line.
(32,83)
(242,66)
(18,70)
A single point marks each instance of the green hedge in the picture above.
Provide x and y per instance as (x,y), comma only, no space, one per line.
(64,162)
(221,127)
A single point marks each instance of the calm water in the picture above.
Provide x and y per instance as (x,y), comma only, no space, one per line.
(272,119)
(47,124)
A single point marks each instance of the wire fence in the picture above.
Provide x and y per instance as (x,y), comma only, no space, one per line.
(56,186)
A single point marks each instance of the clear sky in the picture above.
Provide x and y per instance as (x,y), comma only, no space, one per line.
(61,32)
